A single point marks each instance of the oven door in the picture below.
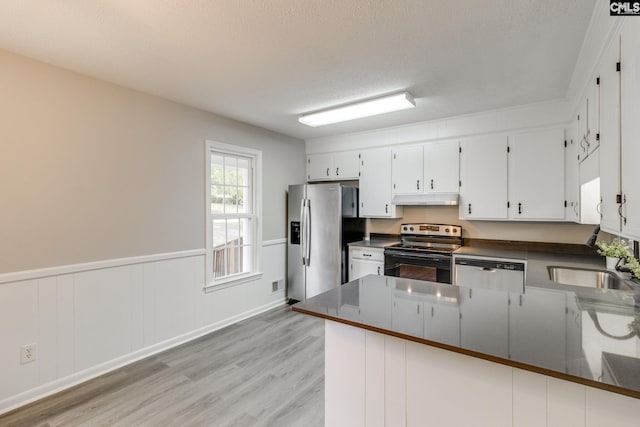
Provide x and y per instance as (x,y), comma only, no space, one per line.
(419,266)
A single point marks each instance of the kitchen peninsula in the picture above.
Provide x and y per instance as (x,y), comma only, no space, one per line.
(406,352)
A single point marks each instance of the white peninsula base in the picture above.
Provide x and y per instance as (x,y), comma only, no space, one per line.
(372,379)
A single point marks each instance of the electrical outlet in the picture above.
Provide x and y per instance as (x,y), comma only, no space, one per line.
(28,353)
(277,285)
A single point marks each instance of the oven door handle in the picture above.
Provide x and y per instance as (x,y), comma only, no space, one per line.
(417,256)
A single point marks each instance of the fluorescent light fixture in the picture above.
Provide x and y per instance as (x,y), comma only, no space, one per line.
(369,107)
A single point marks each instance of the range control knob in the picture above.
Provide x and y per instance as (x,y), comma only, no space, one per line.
(404,228)
(411,228)
(446,230)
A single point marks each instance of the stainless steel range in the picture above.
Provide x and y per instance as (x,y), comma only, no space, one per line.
(425,252)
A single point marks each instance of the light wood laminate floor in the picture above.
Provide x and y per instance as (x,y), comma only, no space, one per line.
(263,371)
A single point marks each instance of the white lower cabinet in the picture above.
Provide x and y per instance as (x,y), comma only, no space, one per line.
(526,313)
(484,324)
(442,323)
(364,261)
(406,315)
(375,309)
(373,379)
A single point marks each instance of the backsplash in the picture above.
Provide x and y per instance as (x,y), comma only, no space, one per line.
(555,232)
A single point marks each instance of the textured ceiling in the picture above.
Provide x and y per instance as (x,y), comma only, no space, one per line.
(267,61)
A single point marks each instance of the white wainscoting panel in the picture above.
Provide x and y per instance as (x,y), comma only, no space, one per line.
(88,319)
(66,355)
(47,326)
(395,379)
(18,326)
(608,409)
(102,312)
(374,380)
(529,399)
(565,403)
(479,392)
(344,376)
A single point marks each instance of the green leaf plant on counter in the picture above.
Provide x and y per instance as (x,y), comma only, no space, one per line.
(620,248)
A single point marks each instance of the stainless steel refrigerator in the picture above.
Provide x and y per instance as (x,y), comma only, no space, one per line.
(322,220)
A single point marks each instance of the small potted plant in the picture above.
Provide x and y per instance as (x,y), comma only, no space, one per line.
(634,267)
(616,251)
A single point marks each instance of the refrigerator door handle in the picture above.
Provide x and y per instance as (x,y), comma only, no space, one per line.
(302,229)
(307,237)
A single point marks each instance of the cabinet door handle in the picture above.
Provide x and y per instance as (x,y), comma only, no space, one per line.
(519,208)
(378,270)
(386,208)
(432,184)
(469,208)
(418,184)
(624,201)
(418,308)
(337,171)
(327,171)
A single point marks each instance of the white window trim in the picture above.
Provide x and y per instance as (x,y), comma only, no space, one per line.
(256,176)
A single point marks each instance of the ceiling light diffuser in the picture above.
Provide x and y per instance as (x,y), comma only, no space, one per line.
(367,108)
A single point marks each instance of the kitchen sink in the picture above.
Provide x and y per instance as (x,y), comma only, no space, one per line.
(586,277)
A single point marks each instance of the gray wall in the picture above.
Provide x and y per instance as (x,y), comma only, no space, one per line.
(91,171)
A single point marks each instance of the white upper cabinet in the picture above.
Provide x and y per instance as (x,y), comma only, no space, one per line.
(483,178)
(571,179)
(441,161)
(375,185)
(536,175)
(333,166)
(346,164)
(406,170)
(630,128)
(319,167)
(582,129)
(593,115)
(610,137)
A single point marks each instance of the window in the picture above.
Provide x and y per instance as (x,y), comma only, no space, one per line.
(232,213)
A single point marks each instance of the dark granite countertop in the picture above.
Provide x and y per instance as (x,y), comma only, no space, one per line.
(375,243)
(564,332)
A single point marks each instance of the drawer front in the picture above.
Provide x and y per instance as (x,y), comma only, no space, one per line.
(372,254)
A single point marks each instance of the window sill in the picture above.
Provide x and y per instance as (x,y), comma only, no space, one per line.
(231,281)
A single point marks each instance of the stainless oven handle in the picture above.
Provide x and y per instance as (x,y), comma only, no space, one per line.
(400,254)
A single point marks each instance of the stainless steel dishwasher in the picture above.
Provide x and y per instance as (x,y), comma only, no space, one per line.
(489,273)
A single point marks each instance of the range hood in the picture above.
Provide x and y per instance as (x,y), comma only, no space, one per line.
(442,199)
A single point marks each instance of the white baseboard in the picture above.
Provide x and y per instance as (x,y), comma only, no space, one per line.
(61,384)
